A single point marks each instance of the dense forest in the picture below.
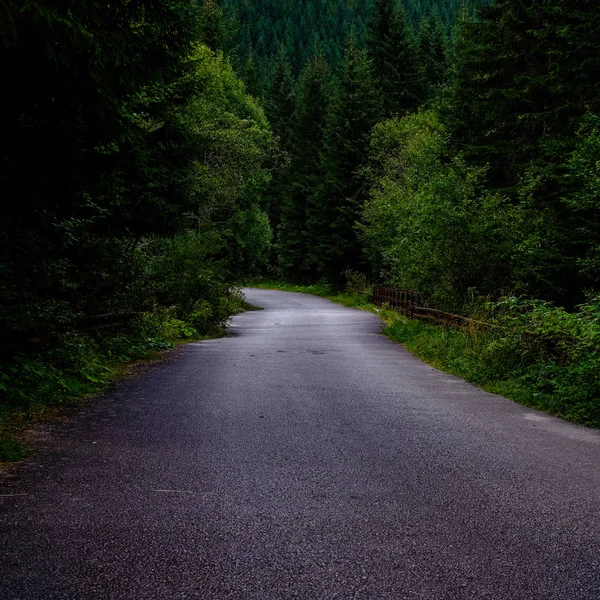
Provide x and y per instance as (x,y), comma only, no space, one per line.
(133,171)
(155,153)
(456,157)
(451,150)
(259,29)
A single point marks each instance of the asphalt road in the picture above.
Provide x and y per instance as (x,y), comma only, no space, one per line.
(305,456)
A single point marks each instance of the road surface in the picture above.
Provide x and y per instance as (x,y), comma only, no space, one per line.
(305,456)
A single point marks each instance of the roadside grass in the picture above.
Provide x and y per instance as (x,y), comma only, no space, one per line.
(503,362)
(69,370)
(324,290)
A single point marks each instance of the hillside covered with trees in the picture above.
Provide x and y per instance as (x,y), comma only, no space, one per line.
(441,155)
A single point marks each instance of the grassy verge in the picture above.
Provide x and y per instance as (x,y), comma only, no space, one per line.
(533,369)
(71,368)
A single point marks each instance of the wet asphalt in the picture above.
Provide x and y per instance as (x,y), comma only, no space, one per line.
(304,456)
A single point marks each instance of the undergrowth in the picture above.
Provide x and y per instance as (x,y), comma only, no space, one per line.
(69,367)
(537,354)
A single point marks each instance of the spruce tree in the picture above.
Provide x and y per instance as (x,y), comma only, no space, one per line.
(433,48)
(312,101)
(332,244)
(524,75)
(252,78)
(90,149)
(212,28)
(280,100)
(393,50)
(279,105)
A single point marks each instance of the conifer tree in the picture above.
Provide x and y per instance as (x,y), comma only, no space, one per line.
(280,100)
(80,163)
(212,28)
(252,78)
(280,103)
(332,244)
(433,48)
(312,101)
(523,77)
(393,49)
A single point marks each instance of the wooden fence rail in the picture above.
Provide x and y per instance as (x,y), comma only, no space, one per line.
(404,300)
(412,304)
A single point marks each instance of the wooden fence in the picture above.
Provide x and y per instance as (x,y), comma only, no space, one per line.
(406,301)
(412,304)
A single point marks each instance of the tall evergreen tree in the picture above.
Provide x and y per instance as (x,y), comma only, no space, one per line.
(433,48)
(333,210)
(92,150)
(212,28)
(280,100)
(524,76)
(312,102)
(252,78)
(393,49)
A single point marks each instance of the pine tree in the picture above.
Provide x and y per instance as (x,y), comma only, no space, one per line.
(332,244)
(312,101)
(80,163)
(524,75)
(252,78)
(393,49)
(433,47)
(212,28)
(280,100)
(280,103)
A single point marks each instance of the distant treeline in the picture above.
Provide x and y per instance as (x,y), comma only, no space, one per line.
(257,30)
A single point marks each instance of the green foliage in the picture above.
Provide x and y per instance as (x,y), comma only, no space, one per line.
(280,104)
(262,26)
(308,136)
(434,49)
(133,129)
(524,77)
(429,224)
(584,199)
(212,28)
(87,136)
(332,245)
(492,192)
(134,166)
(397,67)
(252,78)
(322,125)
(356,282)
(74,365)
(538,355)
(280,100)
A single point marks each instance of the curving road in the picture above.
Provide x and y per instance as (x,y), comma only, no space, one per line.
(305,456)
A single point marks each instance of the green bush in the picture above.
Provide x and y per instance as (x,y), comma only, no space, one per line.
(559,352)
(429,224)
(536,353)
